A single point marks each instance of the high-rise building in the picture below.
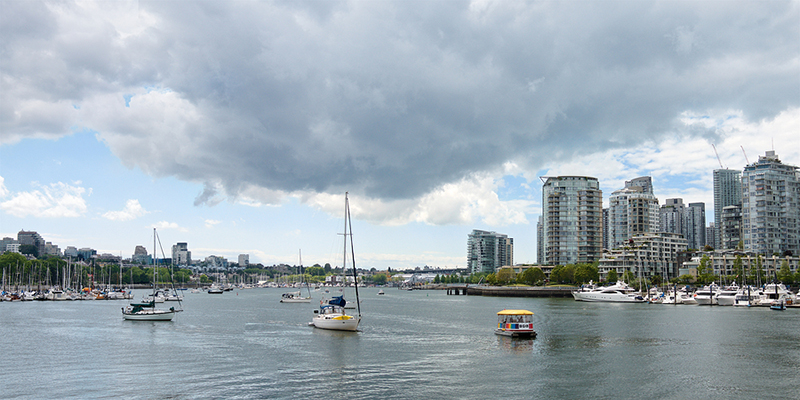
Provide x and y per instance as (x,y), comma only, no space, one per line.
(727,192)
(539,241)
(181,254)
(711,235)
(696,225)
(770,206)
(244,260)
(572,210)
(140,256)
(633,210)
(9,244)
(488,251)
(31,238)
(731,226)
(605,228)
(673,217)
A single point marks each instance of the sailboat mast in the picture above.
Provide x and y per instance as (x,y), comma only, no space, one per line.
(344,253)
(155,263)
(349,221)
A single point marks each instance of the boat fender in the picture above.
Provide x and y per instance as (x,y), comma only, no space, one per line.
(172,308)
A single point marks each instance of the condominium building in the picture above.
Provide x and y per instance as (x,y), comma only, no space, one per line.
(633,210)
(540,241)
(722,262)
(645,255)
(572,223)
(770,206)
(673,217)
(244,260)
(9,244)
(696,225)
(605,228)
(181,254)
(727,192)
(711,234)
(731,227)
(31,238)
(488,251)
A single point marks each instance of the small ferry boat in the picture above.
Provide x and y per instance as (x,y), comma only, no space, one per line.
(515,323)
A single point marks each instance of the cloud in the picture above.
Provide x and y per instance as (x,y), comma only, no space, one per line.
(164,225)
(57,200)
(3,189)
(131,211)
(210,223)
(409,106)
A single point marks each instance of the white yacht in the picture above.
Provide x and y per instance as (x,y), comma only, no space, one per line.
(705,296)
(619,292)
(747,296)
(776,292)
(726,296)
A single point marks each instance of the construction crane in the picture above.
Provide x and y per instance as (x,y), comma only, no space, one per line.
(745,155)
(718,159)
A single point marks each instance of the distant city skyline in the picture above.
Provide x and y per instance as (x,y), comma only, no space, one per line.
(438,118)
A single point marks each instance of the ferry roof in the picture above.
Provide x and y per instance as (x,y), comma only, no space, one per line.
(515,312)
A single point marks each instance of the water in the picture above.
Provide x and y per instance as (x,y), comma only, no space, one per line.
(420,344)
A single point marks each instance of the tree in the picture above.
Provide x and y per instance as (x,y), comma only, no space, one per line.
(737,268)
(586,272)
(29,249)
(612,276)
(705,272)
(379,279)
(531,276)
(505,276)
(628,277)
(785,274)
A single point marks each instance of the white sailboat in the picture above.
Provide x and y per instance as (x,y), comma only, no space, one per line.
(297,297)
(148,311)
(331,314)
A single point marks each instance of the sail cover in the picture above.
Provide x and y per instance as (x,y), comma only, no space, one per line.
(338,301)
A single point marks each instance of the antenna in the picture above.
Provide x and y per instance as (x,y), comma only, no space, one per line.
(715,152)
(745,155)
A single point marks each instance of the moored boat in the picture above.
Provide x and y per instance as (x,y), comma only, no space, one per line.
(147,311)
(332,314)
(619,292)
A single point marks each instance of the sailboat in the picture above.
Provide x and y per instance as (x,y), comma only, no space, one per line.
(147,311)
(297,297)
(331,314)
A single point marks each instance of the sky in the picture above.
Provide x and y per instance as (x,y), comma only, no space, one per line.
(237,127)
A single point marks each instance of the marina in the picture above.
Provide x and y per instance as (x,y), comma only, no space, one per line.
(412,344)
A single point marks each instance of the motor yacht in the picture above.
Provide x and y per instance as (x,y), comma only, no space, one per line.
(705,296)
(620,292)
(727,295)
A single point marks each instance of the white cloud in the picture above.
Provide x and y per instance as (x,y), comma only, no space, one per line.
(57,200)
(131,211)
(164,225)
(210,223)
(3,189)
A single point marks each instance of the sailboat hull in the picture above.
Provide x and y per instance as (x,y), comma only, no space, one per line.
(305,300)
(150,315)
(336,323)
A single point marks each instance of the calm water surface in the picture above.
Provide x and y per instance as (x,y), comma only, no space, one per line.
(420,344)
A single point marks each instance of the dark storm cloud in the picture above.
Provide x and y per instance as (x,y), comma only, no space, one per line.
(388,99)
